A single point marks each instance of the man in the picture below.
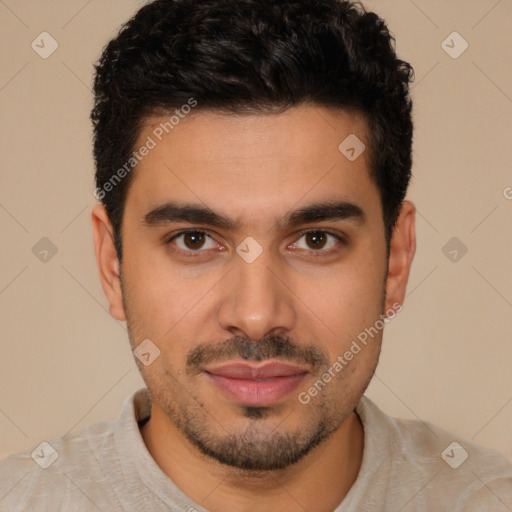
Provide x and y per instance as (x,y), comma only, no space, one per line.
(252,160)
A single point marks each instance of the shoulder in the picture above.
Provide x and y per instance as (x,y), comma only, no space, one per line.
(428,466)
(60,472)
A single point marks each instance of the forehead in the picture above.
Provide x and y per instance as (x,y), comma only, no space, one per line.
(251,164)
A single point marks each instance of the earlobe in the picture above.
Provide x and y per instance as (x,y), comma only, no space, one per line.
(107,261)
(401,254)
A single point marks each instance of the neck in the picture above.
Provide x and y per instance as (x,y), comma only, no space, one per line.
(319,481)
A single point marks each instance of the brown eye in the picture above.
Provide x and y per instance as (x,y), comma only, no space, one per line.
(193,241)
(316,239)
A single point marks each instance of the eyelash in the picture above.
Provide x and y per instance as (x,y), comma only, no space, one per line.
(314,253)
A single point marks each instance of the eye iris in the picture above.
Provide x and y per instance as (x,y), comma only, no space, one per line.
(316,240)
(194,240)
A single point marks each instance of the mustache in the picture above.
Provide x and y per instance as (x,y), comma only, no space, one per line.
(270,347)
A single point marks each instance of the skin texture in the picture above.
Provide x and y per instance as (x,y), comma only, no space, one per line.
(255,169)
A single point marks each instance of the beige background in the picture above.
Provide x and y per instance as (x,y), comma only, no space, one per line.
(65,363)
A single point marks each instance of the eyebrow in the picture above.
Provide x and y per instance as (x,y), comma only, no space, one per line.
(199,214)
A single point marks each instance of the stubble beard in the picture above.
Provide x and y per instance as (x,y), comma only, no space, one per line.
(255,448)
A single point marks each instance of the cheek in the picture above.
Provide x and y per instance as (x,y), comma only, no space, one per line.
(151,295)
(349,305)
(350,294)
(165,305)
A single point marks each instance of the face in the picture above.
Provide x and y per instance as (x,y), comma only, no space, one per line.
(254,257)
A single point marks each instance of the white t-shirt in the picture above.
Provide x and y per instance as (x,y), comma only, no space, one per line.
(407,466)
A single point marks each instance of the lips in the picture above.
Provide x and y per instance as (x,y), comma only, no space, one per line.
(256,385)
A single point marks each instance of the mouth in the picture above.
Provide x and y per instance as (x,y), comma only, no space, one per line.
(256,385)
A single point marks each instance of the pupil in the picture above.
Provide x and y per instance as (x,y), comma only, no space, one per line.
(194,240)
(316,239)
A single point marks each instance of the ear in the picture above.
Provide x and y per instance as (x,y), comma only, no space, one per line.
(401,253)
(107,261)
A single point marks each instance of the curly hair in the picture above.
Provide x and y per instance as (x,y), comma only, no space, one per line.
(253,56)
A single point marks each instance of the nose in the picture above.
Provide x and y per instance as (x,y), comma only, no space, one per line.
(256,301)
